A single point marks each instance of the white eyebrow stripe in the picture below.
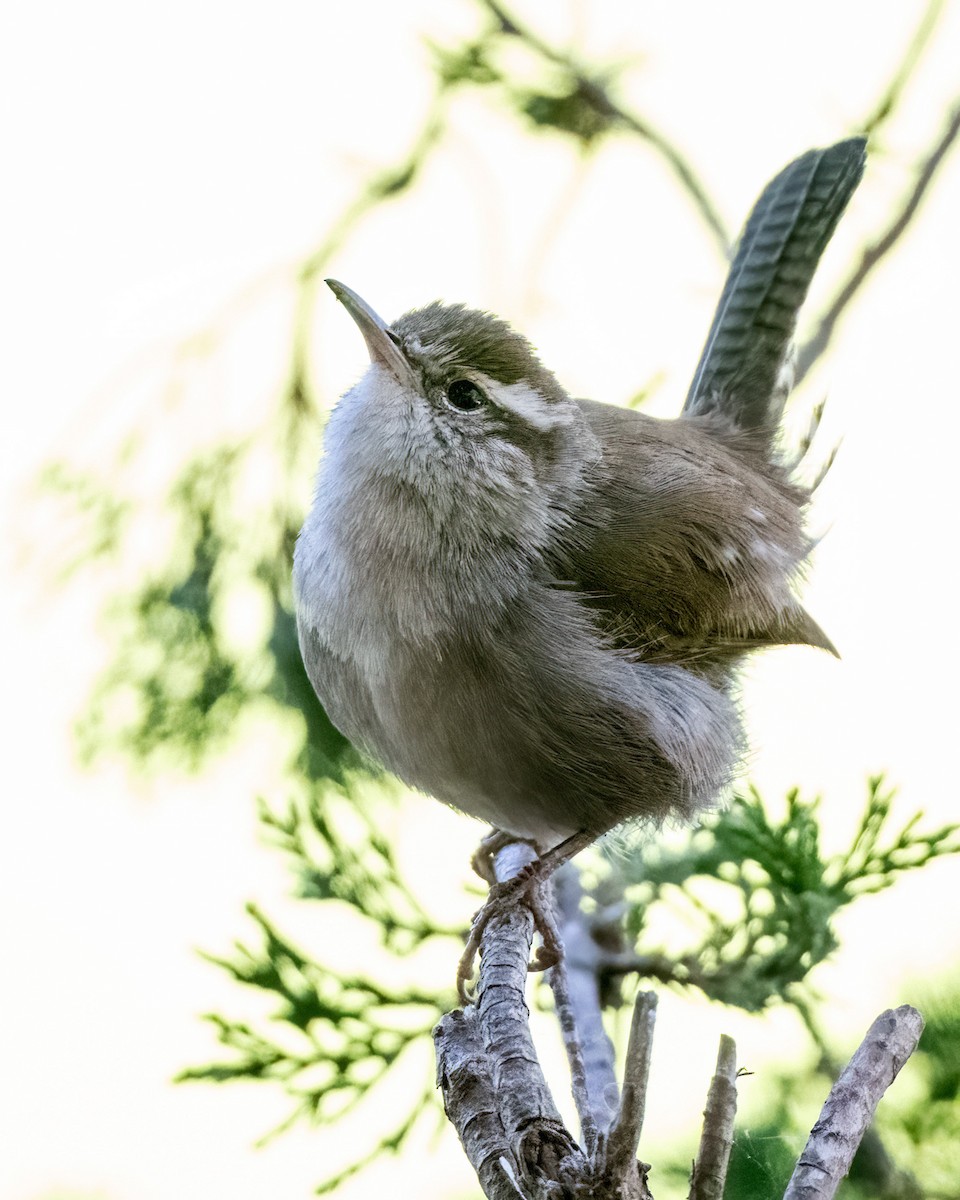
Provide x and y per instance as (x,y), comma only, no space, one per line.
(528,405)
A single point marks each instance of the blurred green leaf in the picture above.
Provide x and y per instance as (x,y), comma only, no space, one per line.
(782,893)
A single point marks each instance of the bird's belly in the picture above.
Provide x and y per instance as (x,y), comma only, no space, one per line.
(444,731)
(570,738)
(449,738)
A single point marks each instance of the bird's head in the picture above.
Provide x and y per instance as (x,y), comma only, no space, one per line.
(457,407)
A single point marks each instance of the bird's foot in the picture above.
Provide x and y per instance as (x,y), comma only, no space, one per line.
(490,846)
(529,886)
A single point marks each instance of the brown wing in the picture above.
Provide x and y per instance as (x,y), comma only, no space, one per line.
(694,550)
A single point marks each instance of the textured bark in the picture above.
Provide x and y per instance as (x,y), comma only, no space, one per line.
(716,1140)
(580,1008)
(626,1127)
(848,1110)
(528,1147)
(462,1071)
(497,1098)
(493,1088)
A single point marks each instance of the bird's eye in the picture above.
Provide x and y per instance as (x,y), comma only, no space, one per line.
(465,396)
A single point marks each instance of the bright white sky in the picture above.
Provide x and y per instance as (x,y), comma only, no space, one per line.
(158,159)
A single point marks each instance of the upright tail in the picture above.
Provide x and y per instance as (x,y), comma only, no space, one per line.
(776,257)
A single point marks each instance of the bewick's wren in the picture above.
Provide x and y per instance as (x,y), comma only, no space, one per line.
(533,606)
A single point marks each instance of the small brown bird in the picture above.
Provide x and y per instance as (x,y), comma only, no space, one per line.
(533,606)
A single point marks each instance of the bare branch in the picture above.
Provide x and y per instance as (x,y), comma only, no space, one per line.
(506,1081)
(463,1076)
(540,1140)
(872,255)
(580,966)
(848,1110)
(571,1043)
(716,1140)
(625,1134)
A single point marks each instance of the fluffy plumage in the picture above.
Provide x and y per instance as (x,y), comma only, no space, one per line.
(533,606)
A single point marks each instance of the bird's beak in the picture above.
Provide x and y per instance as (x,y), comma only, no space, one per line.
(376,333)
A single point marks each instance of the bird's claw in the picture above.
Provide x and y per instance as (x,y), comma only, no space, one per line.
(526,887)
(490,846)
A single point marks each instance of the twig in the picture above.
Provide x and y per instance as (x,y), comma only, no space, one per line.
(911,56)
(590,88)
(571,1043)
(527,1110)
(716,1140)
(684,972)
(582,1000)
(872,255)
(625,1134)
(848,1110)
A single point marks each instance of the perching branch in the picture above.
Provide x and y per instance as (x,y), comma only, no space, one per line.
(497,1097)
(462,1072)
(494,1091)
(848,1110)
(499,1102)
(528,1144)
